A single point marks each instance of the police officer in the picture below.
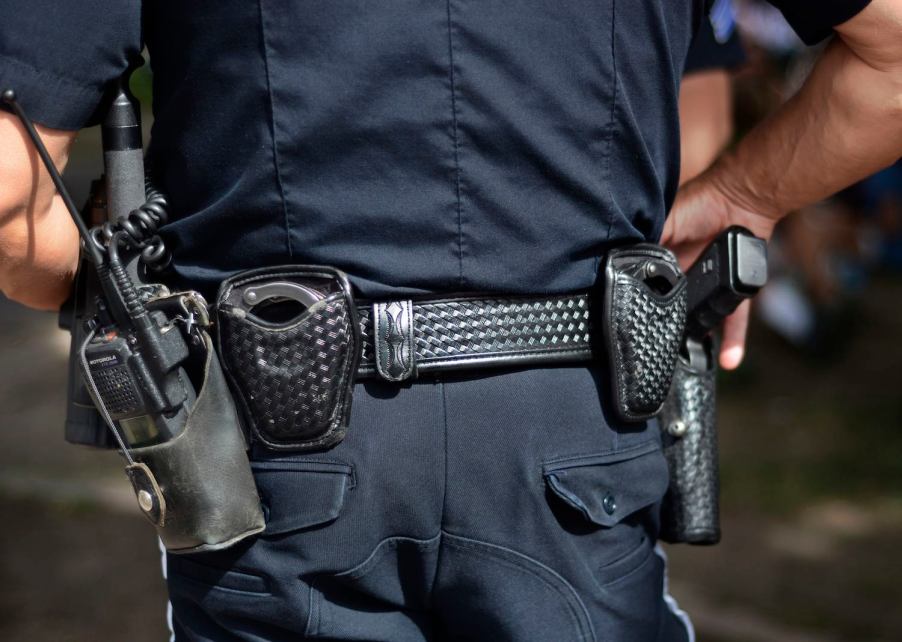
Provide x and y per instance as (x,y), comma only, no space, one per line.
(426,148)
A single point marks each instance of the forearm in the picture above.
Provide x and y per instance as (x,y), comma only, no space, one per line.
(844,124)
(38,240)
(38,256)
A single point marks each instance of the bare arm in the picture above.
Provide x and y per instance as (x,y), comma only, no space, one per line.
(706,120)
(38,240)
(844,124)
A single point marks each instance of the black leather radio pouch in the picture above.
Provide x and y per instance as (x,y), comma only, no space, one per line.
(690,511)
(197,489)
(289,340)
(644,315)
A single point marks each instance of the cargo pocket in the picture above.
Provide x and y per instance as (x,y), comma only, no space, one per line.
(247,583)
(385,597)
(608,500)
(207,577)
(301,494)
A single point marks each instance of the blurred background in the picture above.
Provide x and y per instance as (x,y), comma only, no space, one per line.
(810,430)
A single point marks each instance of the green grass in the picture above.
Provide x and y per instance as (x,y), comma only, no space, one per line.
(847,447)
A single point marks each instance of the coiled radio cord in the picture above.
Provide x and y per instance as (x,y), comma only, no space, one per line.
(138,230)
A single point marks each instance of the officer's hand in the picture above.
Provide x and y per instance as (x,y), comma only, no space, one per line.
(700,212)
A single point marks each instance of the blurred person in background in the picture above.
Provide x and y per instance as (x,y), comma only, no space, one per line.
(706,92)
(880,196)
(844,124)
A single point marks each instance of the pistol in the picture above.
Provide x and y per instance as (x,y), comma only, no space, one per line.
(732,269)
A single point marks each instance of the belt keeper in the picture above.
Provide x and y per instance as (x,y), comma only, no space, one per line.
(394,340)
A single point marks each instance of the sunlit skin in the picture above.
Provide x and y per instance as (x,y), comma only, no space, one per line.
(38,240)
(843,125)
(706,120)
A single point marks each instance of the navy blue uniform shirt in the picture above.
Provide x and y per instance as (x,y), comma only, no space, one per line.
(418,145)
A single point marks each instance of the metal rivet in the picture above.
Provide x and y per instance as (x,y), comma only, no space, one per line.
(250,296)
(145,501)
(609,504)
(677,428)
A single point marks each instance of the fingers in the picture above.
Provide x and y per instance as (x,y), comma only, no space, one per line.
(732,349)
(667,232)
(694,220)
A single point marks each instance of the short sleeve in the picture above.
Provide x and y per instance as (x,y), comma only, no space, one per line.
(60,55)
(814,20)
(716,44)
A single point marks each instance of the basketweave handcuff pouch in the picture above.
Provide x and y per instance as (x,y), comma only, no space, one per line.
(289,340)
(643,318)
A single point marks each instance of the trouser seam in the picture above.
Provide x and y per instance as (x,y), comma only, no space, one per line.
(438,557)
(515,560)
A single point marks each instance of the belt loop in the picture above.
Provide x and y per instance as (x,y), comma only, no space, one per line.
(394,340)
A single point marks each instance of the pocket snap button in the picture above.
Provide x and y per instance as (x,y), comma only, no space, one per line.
(609,504)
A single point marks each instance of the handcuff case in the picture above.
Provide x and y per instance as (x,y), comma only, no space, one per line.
(289,339)
(643,318)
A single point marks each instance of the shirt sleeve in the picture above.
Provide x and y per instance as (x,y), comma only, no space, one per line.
(60,56)
(716,44)
(814,20)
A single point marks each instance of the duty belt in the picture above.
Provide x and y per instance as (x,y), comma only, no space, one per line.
(293,340)
(404,338)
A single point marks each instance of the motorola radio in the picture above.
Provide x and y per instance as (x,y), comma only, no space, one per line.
(147,358)
(134,356)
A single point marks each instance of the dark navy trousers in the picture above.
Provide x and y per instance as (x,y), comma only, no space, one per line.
(502,507)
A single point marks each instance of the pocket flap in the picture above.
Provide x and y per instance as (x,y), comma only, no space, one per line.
(606,488)
(301,494)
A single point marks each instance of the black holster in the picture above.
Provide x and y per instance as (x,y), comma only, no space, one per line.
(690,512)
(197,489)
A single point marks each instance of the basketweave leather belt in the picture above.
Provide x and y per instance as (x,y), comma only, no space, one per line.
(293,340)
(404,338)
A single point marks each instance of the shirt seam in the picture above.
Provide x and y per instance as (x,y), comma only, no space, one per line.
(453,87)
(609,134)
(272,131)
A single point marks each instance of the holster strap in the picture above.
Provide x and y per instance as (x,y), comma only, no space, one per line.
(404,338)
